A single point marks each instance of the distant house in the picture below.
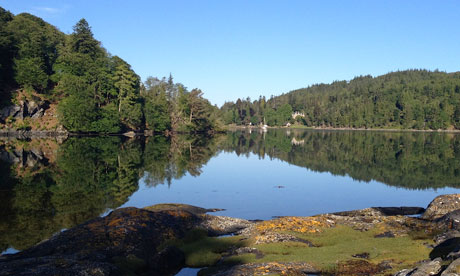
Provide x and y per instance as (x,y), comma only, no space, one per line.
(297,114)
(288,124)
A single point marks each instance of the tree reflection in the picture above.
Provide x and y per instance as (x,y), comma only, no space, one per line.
(46,187)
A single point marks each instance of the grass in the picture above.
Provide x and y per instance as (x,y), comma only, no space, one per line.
(340,243)
(333,246)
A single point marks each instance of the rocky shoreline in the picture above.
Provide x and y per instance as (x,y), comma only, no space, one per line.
(23,134)
(162,239)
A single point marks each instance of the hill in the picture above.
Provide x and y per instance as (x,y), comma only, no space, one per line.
(412,99)
(48,78)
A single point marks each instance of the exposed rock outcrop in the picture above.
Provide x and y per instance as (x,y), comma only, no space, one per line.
(126,241)
(154,241)
(28,108)
(441,206)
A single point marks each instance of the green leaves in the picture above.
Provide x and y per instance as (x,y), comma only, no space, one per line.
(408,99)
(97,92)
(30,73)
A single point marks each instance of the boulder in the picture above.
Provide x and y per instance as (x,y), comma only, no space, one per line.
(442,205)
(33,108)
(427,268)
(453,269)
(8,111)
(38,114)
(127,241)
(451,219)
(215,225)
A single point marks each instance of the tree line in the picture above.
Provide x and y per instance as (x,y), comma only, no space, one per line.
(95,91)
(412,99)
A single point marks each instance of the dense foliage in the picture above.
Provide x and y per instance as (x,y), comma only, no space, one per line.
(95,91)
(413,99)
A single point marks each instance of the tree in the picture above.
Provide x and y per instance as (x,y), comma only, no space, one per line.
(82,40)
(36,47)
(156,109)
(30,73)
(7,48)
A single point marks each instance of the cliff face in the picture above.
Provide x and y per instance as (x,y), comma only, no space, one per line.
(29,111)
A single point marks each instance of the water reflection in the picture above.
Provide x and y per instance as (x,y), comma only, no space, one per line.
(402,159)
(46,186)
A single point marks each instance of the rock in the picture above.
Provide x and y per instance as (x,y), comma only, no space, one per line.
(123,242)
(130,134)
(220,225)
(39,113)
(446,236)
(363,255)
(399,211)
(451,220)
(31,107)
(428,268)
(274,237)
(293,269)
(358,267)
(21,113)
(180,207)
(449,246)
(386,234)
(453,269)
(61,129)
(215,225)
(8,111)
(404,272)
(383,211)
(442,205)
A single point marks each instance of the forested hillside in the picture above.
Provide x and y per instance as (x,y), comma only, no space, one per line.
(413,99)
(90,89)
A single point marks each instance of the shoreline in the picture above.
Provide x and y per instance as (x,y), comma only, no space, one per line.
(347,129)
(163,239)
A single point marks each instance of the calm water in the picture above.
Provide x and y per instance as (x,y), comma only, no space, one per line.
(47,187)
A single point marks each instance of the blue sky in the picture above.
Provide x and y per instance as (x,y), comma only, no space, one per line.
(233,49)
